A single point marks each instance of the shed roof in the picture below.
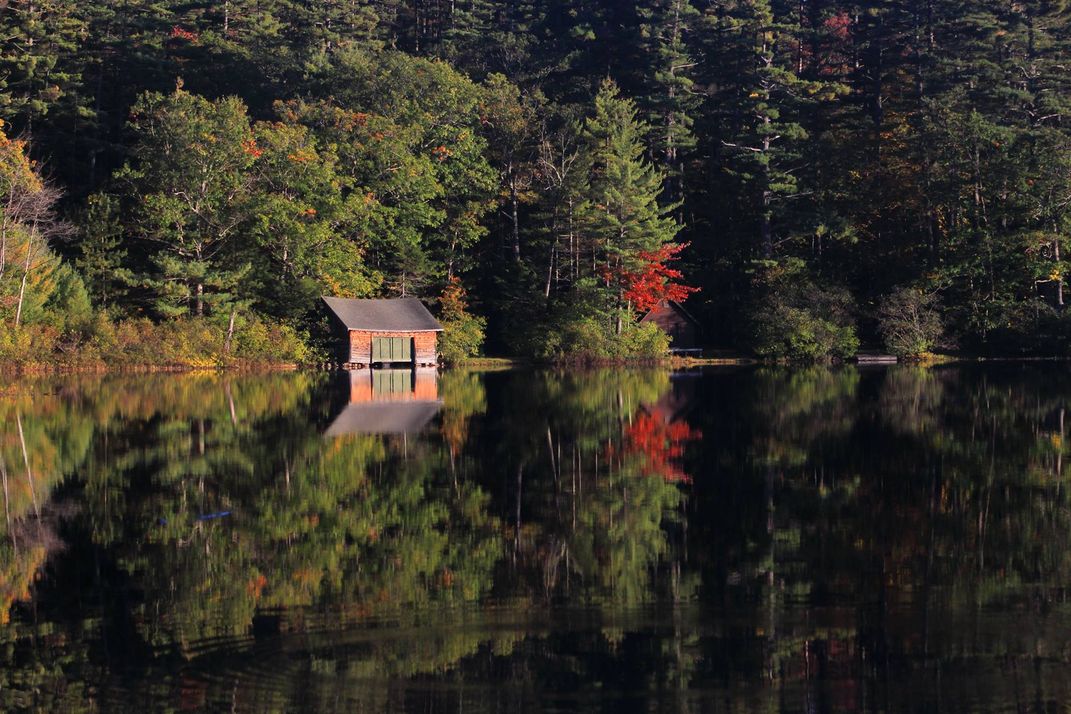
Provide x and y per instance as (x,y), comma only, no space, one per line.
(385,315)
(672,305)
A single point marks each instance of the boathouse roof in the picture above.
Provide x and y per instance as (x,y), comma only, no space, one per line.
(383,315)
(669,305)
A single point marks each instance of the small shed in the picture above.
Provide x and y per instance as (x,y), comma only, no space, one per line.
(675,321)
(386,331)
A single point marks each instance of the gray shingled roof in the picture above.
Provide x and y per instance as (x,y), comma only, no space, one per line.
(390,315)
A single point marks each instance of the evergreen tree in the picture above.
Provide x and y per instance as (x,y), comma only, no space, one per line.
(189,178)
(672,97)
(38,67)
(620,213)
(761,106)
(103,258)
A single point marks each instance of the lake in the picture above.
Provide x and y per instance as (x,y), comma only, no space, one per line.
(728,540)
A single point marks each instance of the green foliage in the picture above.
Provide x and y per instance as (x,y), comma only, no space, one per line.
(307,222)
(103,258)
(260,340)
(379,148)
(765,100)
(409,131)
(618,219)
(39,60)
(620,213)
(591,340)
(189,179)
(668,32)
(68,307)
(645,341)
(463,333)
(81,338)
(797,318)
(461,338)
(910,322)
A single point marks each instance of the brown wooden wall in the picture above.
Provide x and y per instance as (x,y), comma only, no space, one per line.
(681,330)
(425,345)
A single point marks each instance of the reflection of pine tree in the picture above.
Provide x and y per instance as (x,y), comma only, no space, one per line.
(589,512)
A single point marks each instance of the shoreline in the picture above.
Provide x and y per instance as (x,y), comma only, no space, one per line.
(493,364)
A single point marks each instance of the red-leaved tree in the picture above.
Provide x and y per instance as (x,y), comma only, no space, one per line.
(654,281)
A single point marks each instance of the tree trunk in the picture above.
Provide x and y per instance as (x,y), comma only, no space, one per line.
(230,333)
(25,276)
(550,268)
(3,246)
(514,219)
(765,229)
(1059,273)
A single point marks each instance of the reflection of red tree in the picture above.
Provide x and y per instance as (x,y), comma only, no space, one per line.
(661,443)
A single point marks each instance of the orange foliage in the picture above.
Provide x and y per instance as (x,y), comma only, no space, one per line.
(250,147)
(179,33)
(255,586)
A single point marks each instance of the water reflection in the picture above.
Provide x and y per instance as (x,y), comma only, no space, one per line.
(388,401)
(785,540)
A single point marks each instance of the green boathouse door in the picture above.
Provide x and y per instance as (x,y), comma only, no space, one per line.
(392,349)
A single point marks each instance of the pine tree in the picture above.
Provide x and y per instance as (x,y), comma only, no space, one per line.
(761,105)
(103,258)
(672,98)
(190,179)
(38,59)
(620,212)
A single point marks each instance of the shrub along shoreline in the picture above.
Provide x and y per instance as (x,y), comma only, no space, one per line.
(144,345)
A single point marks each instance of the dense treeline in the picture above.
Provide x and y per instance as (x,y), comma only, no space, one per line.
(824,172)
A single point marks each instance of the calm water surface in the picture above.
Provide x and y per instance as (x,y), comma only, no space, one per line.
(807,540)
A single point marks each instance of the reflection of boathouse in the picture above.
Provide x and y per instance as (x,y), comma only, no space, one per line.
(388,401)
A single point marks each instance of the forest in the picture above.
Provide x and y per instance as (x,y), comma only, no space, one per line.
(181,181)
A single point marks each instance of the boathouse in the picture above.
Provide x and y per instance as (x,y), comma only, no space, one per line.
(675,321)
(386,332)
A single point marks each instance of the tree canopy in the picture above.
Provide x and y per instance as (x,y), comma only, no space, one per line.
(245,157)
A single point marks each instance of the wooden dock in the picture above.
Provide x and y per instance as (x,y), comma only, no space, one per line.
(874,358)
